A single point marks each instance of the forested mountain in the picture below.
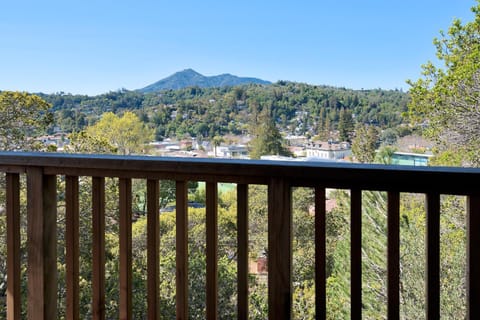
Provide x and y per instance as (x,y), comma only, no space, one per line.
(191,78)
(207,112)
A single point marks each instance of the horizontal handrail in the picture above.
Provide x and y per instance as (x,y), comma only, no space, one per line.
(445,180)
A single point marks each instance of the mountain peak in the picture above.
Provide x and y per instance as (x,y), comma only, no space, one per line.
(191,78)
(189,71)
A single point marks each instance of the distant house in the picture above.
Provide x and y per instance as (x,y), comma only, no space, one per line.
(232,151)
(328,150)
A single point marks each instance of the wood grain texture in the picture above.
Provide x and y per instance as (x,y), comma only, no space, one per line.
(356,253)
(473,256)
(333,175)
(182,250)
(279,250)
(432,244)
(153,247)
(98,248)
(242,250)
(212,250)
(72,248)
(125,243)
(393,255)
(13,247)
(320,254)
(42,245)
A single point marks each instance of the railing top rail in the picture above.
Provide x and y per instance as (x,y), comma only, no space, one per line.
(452,180)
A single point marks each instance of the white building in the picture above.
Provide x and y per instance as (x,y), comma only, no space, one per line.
(328,150)
(232,151)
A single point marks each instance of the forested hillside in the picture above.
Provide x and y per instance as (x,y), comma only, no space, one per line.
(207,112)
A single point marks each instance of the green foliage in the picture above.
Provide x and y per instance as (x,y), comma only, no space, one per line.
(22,117)
(446,99)
(385,154)
(365,143)
(82,142)
(267,138)
(207,112)
(127,133)
(346,125)
(412,257)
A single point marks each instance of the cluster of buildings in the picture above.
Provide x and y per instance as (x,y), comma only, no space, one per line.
(301,148)
(310,151)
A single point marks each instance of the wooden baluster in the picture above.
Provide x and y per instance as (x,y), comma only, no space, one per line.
(320,254)
(72,248)
(432,244)
(125,240)
(182,250)
(393,255)
(13,247)
(98,248)
(279,250)
(42,244)
(212,250)
(242,247)
(153,245)
(356,253)
(473,256)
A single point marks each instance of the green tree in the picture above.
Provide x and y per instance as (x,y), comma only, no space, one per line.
(82,142)
(267,138)
(447,98)
(217,140)
(127,133)
(385,155)
(22,117)
(345,125)
(364,143)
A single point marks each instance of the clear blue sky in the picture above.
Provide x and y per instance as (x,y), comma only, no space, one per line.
(92,47)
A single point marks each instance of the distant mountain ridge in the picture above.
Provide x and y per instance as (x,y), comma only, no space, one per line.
(191,78)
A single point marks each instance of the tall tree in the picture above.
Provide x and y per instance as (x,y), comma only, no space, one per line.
(345,124)
(447,98)
(267,138)
(364,143)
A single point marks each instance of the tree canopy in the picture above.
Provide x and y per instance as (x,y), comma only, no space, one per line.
(22,116)
(267,138)
(447,98)
(127,133)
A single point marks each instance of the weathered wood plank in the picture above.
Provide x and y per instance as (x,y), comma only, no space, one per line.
(182,250)
(13,247)
(473,256)
(125,241)
(279,250)
(432,245)
(98,248)
(153,245)
(72,248)
(242,251)
(42,245)
(356,253)
(393,255)
(320,254)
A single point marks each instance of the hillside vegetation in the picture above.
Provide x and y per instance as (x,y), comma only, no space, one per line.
(207,112)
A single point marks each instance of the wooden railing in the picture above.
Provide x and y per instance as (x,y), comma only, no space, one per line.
(42,170)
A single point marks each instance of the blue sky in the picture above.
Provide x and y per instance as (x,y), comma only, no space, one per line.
(96,46)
